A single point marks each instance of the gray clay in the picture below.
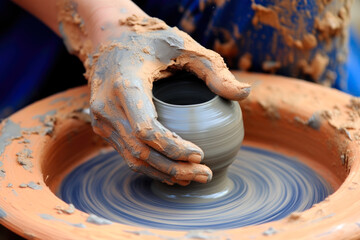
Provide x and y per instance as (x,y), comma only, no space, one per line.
(187,107)
(34,186)
(98,220)
(2,213)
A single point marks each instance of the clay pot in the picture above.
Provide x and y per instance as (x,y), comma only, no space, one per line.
(319,126)
(186,106)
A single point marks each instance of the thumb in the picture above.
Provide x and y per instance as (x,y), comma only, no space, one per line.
(210,67)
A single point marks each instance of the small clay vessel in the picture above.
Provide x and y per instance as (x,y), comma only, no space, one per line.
(186,106)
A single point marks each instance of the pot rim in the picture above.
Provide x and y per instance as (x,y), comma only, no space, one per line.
(156,100)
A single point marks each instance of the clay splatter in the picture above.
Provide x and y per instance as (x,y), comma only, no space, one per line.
(270,110)
(31,185)
(34,186)
(50,217)
(48,119)
(82,114)
(9,132)
(98,220)
(141,232)
(270,231)
(43,117)
(24,158)
(67,210)
(2,213)
(201,234)
(25,141)
(322,218)
(106,187)
(314,121)
(2,173)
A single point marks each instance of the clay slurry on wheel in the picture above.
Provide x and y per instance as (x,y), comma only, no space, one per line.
(267,186)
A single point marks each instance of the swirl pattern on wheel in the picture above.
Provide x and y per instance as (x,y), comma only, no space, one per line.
(267,186)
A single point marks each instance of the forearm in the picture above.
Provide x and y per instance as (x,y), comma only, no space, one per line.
(44,10)
(97,19)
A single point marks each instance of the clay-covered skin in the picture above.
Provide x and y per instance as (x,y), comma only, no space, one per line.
(121,64)
(121,75)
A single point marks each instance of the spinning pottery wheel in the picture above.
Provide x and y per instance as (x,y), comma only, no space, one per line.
(320,127)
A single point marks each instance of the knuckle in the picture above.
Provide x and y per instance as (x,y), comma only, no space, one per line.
(144,133)
(133,166)
(174,171)
(135,153)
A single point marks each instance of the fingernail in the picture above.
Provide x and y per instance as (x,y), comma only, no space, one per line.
(195,158)
(201,178)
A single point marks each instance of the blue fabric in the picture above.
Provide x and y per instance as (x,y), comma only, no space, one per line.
(28,49)
(216,23)
(353,65)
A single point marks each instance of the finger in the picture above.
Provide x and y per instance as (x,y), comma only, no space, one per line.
(141,114)
(129,147)
(180,170)
(141,166)
(214,72)
(169,143)
(123,132)
(161,167)
(157,175)
(210,67)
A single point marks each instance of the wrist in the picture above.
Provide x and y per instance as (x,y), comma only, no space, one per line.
(86,24)
(102,18)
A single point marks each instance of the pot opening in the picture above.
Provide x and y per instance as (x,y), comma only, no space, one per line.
(183,88)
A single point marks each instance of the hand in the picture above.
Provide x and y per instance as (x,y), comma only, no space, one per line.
(121,75)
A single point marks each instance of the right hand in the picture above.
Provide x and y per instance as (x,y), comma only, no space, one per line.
(121,77)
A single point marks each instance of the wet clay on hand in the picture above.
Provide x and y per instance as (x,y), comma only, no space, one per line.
(121,74)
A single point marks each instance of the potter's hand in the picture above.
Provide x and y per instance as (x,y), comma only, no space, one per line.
(121,76)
